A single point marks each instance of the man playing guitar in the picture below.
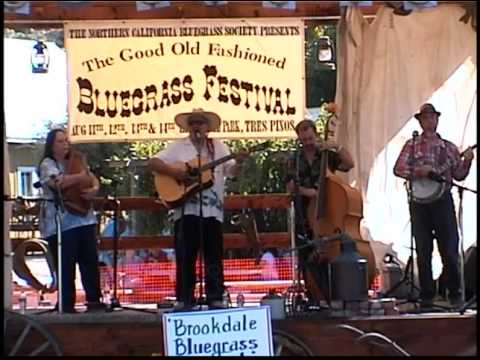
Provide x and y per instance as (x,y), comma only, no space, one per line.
(191,216)
(428,156)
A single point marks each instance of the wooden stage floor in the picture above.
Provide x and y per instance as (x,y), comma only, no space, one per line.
(131,332)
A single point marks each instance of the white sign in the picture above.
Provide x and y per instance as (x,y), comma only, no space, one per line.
(128,79)
(231,332)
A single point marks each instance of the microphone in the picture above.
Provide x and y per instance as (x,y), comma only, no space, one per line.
(40,183)
(436,177)
(414,134)
(197,135)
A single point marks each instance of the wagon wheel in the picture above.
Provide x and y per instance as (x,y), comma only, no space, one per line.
(288,345)
(26,336)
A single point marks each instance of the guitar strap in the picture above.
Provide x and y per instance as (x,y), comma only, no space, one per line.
(211,148)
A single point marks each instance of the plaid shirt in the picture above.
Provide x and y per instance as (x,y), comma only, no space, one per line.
(308,174)
(441,154)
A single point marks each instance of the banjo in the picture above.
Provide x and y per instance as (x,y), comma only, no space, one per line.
(429,189)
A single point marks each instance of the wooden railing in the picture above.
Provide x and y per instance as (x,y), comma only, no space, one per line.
(231,240)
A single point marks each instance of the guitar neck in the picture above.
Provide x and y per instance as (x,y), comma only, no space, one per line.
(217,162)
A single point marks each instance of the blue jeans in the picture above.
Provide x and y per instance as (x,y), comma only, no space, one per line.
(78,245)
(436,220)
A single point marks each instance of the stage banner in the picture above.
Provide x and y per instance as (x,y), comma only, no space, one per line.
(242,331)
(128,79)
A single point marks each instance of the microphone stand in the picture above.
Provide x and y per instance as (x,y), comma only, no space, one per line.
(296,293)
(201,297)
(296,210)
(59,208)
(114,301)
(320,241)
(461,189)
(408,276)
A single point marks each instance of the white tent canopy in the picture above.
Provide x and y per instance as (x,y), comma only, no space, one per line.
(387,69)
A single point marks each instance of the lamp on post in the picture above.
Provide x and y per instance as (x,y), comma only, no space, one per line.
(325,49)
(40,58)
(325,52)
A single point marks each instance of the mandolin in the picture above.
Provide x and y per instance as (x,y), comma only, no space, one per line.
(72,198)
(174,193)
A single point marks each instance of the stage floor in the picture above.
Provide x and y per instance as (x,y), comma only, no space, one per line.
(132,332)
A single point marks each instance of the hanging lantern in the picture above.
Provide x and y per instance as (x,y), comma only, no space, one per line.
(40,58)
(325,50)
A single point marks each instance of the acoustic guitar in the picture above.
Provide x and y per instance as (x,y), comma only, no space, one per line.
(174,193)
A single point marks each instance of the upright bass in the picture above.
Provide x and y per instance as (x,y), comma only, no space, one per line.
(336,209)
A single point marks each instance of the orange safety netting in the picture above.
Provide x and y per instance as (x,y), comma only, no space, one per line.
(153,282)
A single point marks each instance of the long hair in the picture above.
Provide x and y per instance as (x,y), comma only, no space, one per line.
(48,149)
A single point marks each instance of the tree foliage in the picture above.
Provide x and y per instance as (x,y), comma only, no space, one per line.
(121,171)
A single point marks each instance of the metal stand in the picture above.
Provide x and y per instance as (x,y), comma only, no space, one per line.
(114,302)
(468,304)
(201,296)
(59,208)
(296,293)
(461,189)
(408,275)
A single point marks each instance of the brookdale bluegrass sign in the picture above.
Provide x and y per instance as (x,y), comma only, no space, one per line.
(232,332)
(128,79)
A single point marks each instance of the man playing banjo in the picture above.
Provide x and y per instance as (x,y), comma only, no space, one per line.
(429,161)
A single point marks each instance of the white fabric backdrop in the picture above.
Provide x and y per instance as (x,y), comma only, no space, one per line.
(385,203)
(386,70)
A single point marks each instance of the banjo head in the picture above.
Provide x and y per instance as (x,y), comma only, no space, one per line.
(425,191)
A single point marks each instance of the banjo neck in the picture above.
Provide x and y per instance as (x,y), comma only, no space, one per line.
(447,163)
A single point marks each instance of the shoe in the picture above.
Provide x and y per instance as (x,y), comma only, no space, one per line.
(180,306)
(66,309)
(426,303)
(96,307)
(456,302)
(217,304)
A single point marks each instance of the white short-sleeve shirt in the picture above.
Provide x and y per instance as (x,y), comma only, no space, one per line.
(183,150)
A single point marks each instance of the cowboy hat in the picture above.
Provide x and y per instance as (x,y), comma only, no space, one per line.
(425,109)
(212,119)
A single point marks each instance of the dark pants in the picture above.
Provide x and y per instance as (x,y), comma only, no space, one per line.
(318,271)
(78,245)
(187,245)
(436,220)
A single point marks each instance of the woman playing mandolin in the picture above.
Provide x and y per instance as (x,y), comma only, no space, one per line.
(78,235)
